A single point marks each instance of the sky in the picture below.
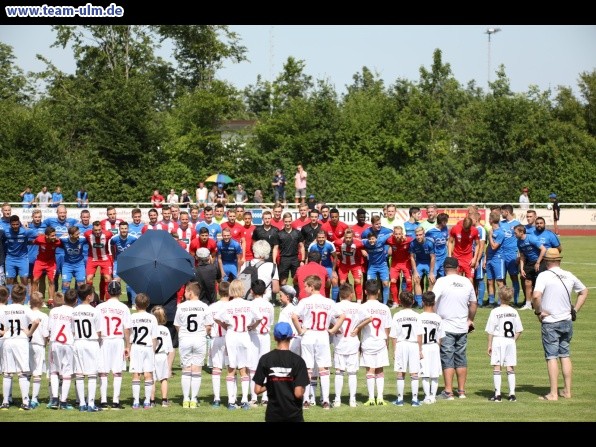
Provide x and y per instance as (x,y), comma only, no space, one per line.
(543,55)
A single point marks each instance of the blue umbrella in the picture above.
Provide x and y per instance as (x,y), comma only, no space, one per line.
(156,265)
(219,178)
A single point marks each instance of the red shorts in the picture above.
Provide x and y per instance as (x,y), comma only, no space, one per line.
(39,267)
(465,268)
(403,267)
(344,270)
(106,267)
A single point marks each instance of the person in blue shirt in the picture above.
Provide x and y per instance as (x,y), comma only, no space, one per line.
(73,266)
(83,225)
(61,223)
(208,222)
(36,225)
(509,247)
(229,256)
(5,219)
(82,198)
(328,257)
(118,244)
(57,197)
(546,237)
(28,198)
(413,222)
(377,259)
(495,261)
(439,235)
(531,253)
(422,256)
(135,228)
(531,219)
(16,242)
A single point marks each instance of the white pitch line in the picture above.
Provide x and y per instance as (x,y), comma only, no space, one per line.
(580,263)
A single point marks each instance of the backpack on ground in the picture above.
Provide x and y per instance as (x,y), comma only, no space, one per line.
(248,275)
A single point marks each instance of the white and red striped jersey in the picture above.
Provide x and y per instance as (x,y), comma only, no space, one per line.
(99,245)
(112,227)
(187,236)
(169,225)
(349,254)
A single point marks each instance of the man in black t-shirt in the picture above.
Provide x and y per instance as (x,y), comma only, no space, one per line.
(267,232)
(283,374)
(310,230)
(291,250)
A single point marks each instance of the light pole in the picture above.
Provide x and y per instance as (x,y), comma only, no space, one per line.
(489,32)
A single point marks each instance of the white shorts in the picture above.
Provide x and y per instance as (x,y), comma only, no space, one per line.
(375,359)
(142,359)
(346,362)
(87,357)
(316,349)
(219,355)
(407,357)
(112,356)
(62,359)
(162,367)
(15,355)
(430,365)
(192,351)
(504,352)
(262,345)
(37,359)
(238,345)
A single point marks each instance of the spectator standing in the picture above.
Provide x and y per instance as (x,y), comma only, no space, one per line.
(28,198)
(44,197)
(456,304)
(258,197)
(156,199)
(556,211)
(57,197)
(201,194)
(172,197)
(82,198)
(300,185)
(524,199)
(553,306)
(279,186)
(184,199)
(240,195)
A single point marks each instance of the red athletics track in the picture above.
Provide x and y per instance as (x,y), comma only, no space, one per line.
(576,231)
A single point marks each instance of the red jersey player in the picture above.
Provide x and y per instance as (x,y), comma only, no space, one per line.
(461,246)
(99,256)
(46,259)
(400,261)
(203,241)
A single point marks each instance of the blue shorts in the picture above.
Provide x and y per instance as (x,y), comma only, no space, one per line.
(511,266)
(59,261)
(382,270)
(556,338)
(17,267)
(73,270)
(423,269)
(439,270)
(230,271)
(453,350)
(495,269)
(479,272)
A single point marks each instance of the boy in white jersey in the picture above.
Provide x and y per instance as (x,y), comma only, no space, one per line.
(504,328)
(4,295)
(287,297)
(347,346)
(143,342)
(62,351)
(219,357)
(37,347)
(163,350)
(17,324)
(312,318)
(406,333)
(259,335)
(375,324)
(115,339)
(86,324)
(193,322)
(238,317)
(430,364)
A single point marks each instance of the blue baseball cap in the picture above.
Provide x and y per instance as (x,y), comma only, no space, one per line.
(282,331)
(552,195)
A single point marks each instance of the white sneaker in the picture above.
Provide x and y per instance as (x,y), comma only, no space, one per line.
(353,403)
(428,401)
(528,306)
(133,307)
(337,402)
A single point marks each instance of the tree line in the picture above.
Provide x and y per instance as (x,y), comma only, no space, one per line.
(128,121)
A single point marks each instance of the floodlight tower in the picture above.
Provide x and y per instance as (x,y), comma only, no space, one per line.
(490,32)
